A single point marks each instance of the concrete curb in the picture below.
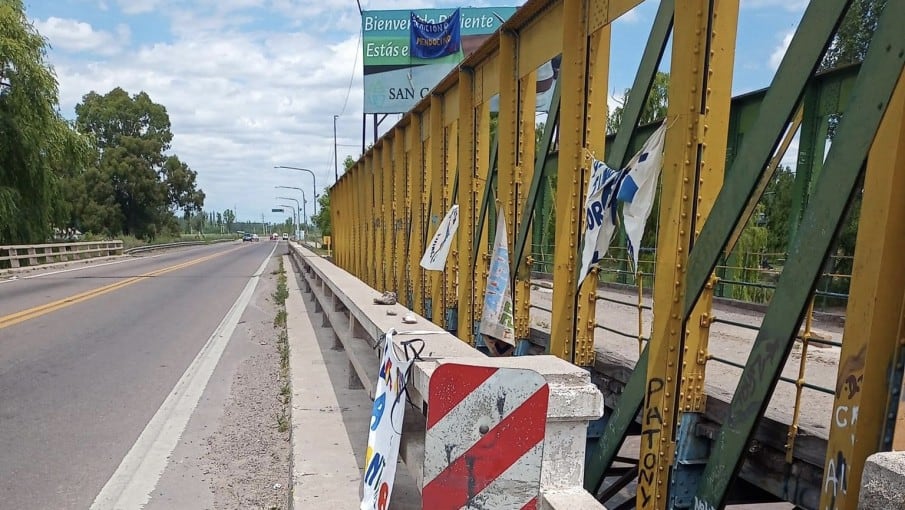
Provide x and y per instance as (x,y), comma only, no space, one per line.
(323,468)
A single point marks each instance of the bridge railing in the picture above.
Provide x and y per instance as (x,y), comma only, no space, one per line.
(16,256)
(347,305)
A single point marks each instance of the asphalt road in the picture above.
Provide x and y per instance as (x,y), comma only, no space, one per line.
(89,354)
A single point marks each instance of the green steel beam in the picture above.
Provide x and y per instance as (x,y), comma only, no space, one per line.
(618,154)
(539,176)
(486,200)
(812,37)
(879,74)
(808,45)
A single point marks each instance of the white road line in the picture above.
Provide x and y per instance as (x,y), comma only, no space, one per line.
(137,475)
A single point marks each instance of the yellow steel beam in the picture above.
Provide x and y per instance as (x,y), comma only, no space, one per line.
(691,178)
(371,192)
(418,205)
(467,203)
(507,126)
(584,73)
(386,221)
(604,12)
(481,269)
(569,176)
(435,164)
(524,175)
(401,196)
(487,79)
(872,318)
(451,158)
(542,39)
(594,140)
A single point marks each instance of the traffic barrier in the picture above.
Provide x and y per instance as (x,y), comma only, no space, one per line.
(17,256)
(347,305)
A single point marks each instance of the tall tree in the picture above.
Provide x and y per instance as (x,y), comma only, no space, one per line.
(654,108)
(36,144)
(135,188)
(229,217)
(322,219)
(853,36)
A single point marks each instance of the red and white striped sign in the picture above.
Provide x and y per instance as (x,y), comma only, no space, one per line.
(485,438)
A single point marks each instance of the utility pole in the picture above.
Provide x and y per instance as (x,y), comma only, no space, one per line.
(335,156)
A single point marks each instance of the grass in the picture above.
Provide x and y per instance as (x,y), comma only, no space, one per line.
(279,322)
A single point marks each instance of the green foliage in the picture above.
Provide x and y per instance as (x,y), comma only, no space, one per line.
(322,219)
(229,217)
(654,108)
(852,38)
(348,163)
(36,144)
(133,187)
(749,252)
(777,209)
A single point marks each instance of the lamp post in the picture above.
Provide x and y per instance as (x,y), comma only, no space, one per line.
(335,156)
(300,208)
(312,176)
(295,215)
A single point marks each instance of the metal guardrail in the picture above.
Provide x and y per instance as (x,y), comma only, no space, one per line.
(151,247)
(17,256)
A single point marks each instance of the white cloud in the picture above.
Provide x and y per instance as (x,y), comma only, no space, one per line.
(780,51)
(137,6)
(73,36)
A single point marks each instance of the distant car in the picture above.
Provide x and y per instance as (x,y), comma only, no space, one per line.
(274,237)
(285,237)
(247,237)
(255,238)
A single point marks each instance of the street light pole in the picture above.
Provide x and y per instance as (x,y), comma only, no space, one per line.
(302,209)
(312,176)
(295,216)
(335,156)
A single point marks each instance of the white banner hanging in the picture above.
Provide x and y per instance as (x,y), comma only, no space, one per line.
(434,258)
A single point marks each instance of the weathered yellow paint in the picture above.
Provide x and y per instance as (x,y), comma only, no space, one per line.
(400,196)
(507,127)
(542,39)
(467,204)
(604,12)
(436,169)
(450,300)
(373,219)
(417,197)
(569,177)
(593,140)
(872,316)
(487,79)
(694,154)
(524,174)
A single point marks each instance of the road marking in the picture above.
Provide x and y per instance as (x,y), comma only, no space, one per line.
(37,311)
(140,470)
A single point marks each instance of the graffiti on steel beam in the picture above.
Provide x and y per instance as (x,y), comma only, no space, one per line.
(652,426)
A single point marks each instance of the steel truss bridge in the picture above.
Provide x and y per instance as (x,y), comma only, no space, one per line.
(665,441)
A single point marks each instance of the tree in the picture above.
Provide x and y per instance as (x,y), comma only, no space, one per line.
(229,217)
(36,144)
(134,188)
(654,108)
(348,163)
(322,218)
(852,38)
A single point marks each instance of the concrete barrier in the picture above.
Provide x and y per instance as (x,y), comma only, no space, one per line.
(883,482)
(347,304)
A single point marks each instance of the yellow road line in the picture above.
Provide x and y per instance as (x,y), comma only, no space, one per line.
(46,308)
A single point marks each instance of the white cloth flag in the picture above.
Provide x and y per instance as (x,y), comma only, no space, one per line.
(600,209)
(638,189)
(386,428)
(434,258)
(496,319)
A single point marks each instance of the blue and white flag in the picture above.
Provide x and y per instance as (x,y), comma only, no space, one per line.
(435,40)
(638,189)
(600,209)
(434,258)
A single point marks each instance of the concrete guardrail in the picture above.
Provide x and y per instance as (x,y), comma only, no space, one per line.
(17,256)
(347,304)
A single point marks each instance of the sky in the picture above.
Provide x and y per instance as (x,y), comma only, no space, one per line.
(252,84)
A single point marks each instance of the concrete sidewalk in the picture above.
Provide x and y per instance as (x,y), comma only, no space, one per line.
(330,419)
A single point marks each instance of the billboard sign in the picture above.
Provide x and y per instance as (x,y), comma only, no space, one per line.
(394,79)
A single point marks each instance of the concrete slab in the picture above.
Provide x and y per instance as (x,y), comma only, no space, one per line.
(324,471)
(883,482)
